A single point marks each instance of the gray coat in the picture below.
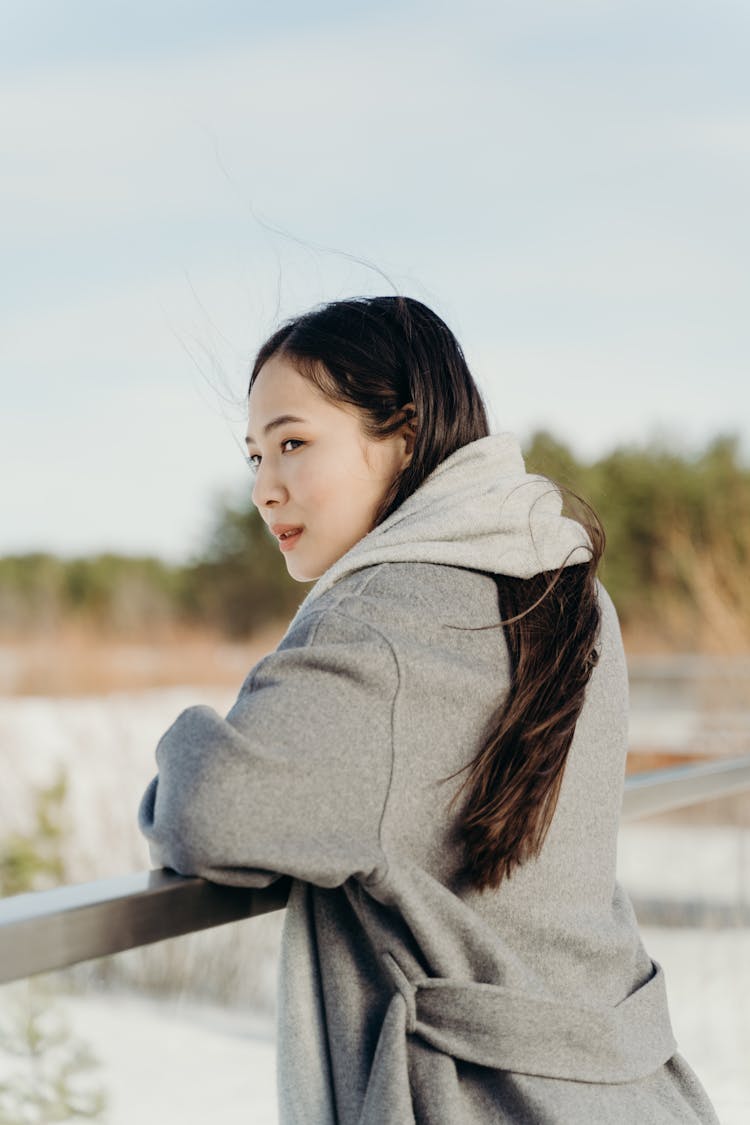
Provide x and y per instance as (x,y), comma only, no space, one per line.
(403,997)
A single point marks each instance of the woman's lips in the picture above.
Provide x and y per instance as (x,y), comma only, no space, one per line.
(289,539)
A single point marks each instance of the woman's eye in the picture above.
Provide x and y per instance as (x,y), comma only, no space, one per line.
(253,459)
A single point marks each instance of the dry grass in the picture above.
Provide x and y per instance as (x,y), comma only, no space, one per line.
(709,614)
(73,660)
(703,607)
(77,661)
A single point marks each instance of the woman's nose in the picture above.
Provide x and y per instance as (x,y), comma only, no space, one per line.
(267,488)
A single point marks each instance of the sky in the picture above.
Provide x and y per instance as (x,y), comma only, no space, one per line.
(565,182)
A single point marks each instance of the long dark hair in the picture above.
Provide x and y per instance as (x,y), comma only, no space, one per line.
(380,354)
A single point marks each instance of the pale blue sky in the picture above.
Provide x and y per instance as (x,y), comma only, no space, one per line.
(565,182)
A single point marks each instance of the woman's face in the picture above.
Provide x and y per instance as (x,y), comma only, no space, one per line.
(318,475)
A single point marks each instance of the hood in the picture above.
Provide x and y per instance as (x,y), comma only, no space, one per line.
(479,509)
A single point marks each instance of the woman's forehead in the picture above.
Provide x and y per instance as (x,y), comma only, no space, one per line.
(279,391)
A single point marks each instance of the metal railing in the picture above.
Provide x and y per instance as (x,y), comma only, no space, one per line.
(48,930)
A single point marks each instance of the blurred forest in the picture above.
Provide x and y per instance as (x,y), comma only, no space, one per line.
(238,584)
(676,561)
(678,538)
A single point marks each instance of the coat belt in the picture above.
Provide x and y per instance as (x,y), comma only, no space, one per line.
(494,1026)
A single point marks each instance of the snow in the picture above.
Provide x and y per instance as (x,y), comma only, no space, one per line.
(708,988)
(707,970)
(170,1062)
(162,1062)
(108,744)
(685,862)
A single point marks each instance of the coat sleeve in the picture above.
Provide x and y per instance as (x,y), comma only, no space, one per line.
(294,780)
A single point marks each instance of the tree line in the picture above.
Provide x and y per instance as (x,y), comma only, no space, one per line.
(676,560)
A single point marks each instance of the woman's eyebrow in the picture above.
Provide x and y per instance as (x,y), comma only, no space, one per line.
(274,423)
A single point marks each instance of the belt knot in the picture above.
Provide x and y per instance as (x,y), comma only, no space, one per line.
(405,987)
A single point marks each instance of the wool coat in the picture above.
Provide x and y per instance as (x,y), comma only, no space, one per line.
(405,997)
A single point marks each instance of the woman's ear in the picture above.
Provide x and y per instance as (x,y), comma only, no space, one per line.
(409,430)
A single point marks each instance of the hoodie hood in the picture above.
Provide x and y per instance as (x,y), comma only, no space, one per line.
(479,509)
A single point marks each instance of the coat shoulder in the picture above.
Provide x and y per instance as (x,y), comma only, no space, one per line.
(418,591)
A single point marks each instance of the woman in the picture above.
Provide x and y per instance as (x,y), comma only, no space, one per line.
(435,753)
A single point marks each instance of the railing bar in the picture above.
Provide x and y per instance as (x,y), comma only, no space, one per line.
(678,786)
(49,930)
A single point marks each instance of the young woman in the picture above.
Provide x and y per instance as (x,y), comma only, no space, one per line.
(435,753)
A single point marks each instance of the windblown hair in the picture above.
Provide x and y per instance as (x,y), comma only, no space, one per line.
(379,354)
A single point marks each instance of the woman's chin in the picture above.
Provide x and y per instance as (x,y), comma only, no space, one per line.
(301,573)
(308,569)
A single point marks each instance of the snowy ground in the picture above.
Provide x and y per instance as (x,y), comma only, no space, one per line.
(685,862)
(708,985)
(167,1063)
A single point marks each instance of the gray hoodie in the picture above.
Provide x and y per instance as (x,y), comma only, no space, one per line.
(404,997)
